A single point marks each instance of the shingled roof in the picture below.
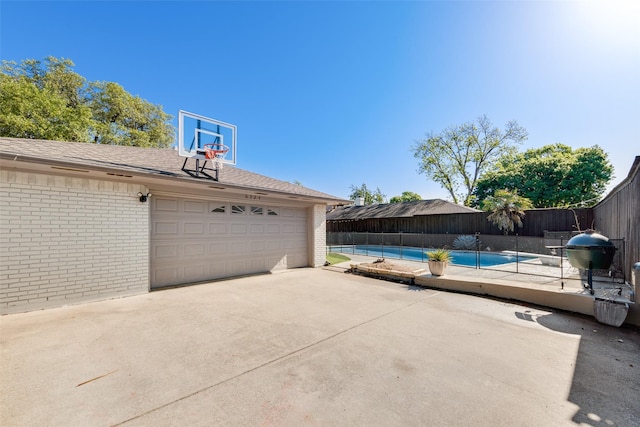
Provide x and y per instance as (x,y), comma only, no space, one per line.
(141,161)
(397,210)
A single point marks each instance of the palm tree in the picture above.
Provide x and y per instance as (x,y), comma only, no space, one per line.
(507,209)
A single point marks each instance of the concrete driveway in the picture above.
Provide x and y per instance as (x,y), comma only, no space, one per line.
(314,347)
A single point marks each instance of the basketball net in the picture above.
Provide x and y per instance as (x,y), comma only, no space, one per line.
(218,162)
(216,152)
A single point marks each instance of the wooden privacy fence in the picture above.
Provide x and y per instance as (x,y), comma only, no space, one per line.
(618,215)
(535,223)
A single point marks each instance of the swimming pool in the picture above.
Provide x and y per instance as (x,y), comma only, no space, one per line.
(462,258)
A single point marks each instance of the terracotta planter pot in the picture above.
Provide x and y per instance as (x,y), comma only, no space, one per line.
(437,267)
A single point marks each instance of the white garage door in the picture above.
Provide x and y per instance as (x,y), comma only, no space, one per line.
(194,240)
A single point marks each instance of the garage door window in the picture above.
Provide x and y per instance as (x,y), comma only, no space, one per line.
(241,209)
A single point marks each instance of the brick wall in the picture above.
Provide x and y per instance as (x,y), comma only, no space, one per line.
(318,233)
(67,240)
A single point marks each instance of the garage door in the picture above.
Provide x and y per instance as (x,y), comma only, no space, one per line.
(194,240)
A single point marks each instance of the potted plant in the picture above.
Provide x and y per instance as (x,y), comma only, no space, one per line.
(438,260)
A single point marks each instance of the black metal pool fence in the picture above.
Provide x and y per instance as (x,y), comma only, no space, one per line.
(537,256)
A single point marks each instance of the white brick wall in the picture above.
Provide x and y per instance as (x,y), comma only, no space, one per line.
(67,240)
(318,225)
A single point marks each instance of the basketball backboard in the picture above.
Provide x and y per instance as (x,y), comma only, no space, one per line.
(195,131)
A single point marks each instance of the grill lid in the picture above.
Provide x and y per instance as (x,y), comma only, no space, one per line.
(590,250)
(589,240)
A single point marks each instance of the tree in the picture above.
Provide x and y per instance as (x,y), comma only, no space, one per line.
(456,157)
(48,100)
(507,209)
(124,119)
(369,196)
(35,103)
(551,176)
(407,196)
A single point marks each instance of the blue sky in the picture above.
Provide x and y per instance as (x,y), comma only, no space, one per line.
(334,94)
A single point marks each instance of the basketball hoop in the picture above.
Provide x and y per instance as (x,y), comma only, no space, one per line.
(215,151)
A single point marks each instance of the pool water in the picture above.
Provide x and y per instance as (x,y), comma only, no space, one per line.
(461,258)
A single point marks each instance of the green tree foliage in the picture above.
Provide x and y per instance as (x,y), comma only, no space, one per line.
(124,119)
(456,157)
(407,196)
(33,105)
(370,197)
(507,209)
(48,100)
(551,176)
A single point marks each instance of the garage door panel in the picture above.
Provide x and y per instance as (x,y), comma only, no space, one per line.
(273,244)
(217,270)
(194,228)
(165,228)
(238,228)
(194,250)
(169,250)
(273,228)
(195,271)
(217,248)
(257,246)
(257,229)
(238,267)
(277,262)
(288,228)
(191,206)
(217,228)
(161,204)
(238,247)
(297,245)
(294,261)
(257,265)
(194,240)
(169,275)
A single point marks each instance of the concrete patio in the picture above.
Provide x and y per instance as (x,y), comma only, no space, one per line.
(314,347)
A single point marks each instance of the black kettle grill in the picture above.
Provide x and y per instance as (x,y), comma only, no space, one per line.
(590,251)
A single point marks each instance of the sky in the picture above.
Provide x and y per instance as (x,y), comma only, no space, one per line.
(333,94)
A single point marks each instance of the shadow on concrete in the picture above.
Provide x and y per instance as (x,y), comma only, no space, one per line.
(606,379)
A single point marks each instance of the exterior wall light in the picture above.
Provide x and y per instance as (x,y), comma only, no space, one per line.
(144,197)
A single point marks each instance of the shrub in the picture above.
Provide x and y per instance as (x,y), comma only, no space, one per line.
(466,242)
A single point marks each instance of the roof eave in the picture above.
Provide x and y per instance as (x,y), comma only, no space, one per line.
(26,160)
